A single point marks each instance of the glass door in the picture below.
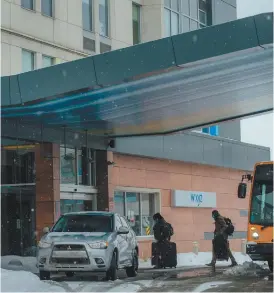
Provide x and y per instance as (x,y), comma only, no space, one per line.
(18,220)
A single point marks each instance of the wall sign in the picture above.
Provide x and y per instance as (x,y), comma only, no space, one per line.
(193,199)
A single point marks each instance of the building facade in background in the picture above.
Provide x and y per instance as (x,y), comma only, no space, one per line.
(138,176)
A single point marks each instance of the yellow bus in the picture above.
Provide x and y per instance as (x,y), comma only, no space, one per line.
(260,213)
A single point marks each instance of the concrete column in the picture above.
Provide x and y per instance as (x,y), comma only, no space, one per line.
(47,160)
(105,191)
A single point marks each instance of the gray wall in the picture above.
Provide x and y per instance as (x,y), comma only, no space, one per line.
(195,148)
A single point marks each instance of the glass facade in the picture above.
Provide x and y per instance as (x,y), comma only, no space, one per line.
(18,214)
(136,25)
(27,61)
(138,209)
(87,14)
(186,15)
(77,166)
(103,18)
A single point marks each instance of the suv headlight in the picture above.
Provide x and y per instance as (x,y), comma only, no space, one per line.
(98,245)
(255,235)
(44,244)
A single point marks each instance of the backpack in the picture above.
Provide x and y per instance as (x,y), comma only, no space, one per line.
(167,230)
(230,227)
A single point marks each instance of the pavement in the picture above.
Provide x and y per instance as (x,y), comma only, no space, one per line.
(176,280)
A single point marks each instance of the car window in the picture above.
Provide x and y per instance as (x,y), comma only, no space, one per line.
(118,223)
(84,223)
(124,222)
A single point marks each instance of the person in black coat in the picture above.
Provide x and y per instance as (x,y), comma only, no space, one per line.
(161,229)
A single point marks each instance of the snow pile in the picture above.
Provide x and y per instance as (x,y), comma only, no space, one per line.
(12,281)
(18,263)
(201,259)
(246,269)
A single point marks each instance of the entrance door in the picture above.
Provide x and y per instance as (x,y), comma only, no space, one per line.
(10,224)
(18,220)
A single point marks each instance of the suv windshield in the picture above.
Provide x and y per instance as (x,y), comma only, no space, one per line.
(84,223)
(262,197)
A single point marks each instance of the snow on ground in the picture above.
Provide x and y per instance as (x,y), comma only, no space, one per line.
(202,258)
(16,263)
(15,281)
(246,269)
(19,263)
(209,285)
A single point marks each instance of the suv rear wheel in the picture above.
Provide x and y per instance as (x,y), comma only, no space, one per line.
(133,270)
(112,271)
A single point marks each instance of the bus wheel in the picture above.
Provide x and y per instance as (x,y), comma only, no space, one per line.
(270,264)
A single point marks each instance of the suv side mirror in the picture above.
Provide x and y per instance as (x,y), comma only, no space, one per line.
(122,230)
(242,190)
(45,230)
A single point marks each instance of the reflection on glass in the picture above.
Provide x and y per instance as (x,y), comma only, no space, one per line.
(68,166)
(119,203)
(133,211)
(71,205)
(136,23)
(148,210)
(17,165)
(27,61)
(167,23)
(103,17)
(87,14)
(174,24)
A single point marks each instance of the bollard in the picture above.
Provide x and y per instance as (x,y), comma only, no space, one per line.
(243,246)
(195,247)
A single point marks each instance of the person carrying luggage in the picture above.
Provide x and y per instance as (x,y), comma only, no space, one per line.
(162,230)
(223,228)
(164,252)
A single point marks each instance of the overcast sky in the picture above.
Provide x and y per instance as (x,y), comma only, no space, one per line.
(251,7)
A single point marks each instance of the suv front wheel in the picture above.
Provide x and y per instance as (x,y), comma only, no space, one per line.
(112,271)
(133,270)
(44,275)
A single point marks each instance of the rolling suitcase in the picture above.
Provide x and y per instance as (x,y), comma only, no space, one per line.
(164,254)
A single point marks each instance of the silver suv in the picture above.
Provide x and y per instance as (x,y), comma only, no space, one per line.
(96,242)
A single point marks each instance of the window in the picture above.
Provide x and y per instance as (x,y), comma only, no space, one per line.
(73,205)
(212,130)
(171,17)
(136,24)
(28,4)
(17,164)
(47,7)
(103,17)
(77,166)
(185,15)
(87,14)
(203,13)
(47,61)
(138,209)
(27,61)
